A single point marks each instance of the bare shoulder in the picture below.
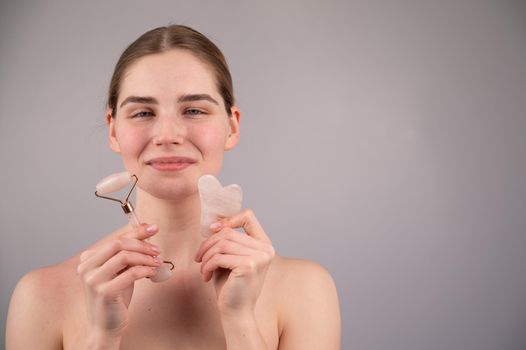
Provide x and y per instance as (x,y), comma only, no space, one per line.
(300,271)
(38,304)
(53,286)
(47,286)
(307,301)
(300,281)
(43,303)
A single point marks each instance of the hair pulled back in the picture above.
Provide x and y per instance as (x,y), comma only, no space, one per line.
(163,39)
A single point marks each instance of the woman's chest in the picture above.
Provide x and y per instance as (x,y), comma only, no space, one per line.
(173,319)
(176,318)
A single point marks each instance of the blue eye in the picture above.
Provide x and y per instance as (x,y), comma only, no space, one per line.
(142,114)
(193,112)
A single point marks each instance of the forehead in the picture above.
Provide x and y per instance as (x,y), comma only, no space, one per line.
(168,74)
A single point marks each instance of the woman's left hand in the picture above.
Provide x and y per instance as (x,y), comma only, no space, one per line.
(237,262)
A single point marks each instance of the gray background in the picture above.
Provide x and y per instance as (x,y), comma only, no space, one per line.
(383,139)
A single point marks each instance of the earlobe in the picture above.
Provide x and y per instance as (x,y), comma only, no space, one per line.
(112,139)
(233,132)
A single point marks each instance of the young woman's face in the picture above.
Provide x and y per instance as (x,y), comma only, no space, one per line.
(171,125)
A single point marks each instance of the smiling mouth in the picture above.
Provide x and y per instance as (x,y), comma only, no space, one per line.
(170,163)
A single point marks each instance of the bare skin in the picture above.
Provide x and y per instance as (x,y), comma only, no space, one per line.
(229,291)
(47,310)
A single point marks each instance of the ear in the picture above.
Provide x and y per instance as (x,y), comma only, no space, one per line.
(233,132)
(112,139)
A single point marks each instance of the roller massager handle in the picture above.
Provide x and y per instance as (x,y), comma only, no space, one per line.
(116,182)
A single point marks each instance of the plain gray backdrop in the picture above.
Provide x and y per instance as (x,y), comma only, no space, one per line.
(384,139)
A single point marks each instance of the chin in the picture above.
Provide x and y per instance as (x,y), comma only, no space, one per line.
(169,187)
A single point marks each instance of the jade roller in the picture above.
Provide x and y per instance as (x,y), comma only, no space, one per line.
(116,182)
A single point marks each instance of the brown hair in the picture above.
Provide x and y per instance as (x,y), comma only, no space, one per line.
(163,39)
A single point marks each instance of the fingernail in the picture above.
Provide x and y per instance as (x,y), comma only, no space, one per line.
(151,228)
(155,248)
(215,225)
(157,260)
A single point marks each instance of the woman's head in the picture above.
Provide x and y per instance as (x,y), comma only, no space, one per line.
(163,39)
(170,110)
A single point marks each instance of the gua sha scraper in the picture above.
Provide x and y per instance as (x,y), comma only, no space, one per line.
(217,202)
(116,182)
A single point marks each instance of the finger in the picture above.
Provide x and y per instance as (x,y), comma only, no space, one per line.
(86,255)
(248,221)
(119,263)
(224,261)
(99,257)
(231,235)
(142,232)
(237,264)
(226,247)
(126,279)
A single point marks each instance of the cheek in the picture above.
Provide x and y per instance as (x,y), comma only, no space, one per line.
(130,141)
(211,145)
(209,140)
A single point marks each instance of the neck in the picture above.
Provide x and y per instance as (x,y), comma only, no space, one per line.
(179,225)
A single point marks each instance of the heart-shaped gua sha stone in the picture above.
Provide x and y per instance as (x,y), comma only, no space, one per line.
(217,201)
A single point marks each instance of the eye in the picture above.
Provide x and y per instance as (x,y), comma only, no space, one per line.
(142,114)
(193,112)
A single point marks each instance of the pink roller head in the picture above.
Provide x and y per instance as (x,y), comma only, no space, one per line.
(113,183)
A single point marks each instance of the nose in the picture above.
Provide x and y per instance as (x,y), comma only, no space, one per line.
(169,130)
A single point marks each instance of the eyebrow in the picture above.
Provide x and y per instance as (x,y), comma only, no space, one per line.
(183,98)
(197,97)
(139,99)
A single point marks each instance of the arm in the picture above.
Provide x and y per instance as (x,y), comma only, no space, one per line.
(237,263)
(33,317)
(107,274)
(242,332)
(310,315)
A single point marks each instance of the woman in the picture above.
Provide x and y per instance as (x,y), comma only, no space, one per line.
(171,115)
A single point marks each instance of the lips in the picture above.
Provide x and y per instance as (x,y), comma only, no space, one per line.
(170,163)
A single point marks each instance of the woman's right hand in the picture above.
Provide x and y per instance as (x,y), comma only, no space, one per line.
(108,274)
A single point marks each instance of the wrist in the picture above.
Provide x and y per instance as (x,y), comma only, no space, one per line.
(238,316)
(100,340)
(239,322)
